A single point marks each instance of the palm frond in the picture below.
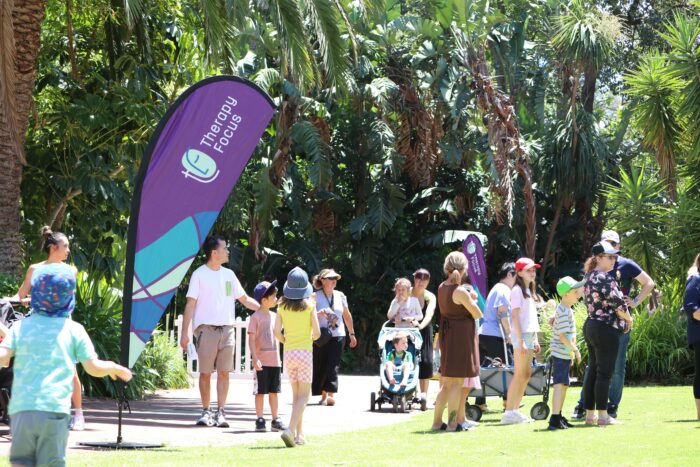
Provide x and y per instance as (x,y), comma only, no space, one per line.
(268,79)
(133,10)
(219,36)
(333,51)
(308,138)
(288,20)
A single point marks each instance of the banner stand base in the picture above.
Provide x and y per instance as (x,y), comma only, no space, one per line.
(122,403)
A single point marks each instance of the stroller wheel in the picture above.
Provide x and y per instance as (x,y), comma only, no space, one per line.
(373,401)
(402,404)
(539,411)
(474,412)
(423,405)
(395,403)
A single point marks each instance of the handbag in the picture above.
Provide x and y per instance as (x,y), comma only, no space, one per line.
(324,338)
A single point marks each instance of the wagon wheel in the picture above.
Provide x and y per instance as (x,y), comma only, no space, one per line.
(474,412)
(539,411)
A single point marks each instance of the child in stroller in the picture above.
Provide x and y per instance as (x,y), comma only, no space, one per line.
(398,371)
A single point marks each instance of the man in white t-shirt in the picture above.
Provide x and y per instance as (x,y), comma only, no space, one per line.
(211,301)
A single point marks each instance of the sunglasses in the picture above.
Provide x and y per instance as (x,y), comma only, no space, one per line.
(330,279)
(421,276)
(615,244)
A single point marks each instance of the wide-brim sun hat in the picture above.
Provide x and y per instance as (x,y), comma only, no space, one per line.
(297,286)
(525,263)
(53,290)
(602,248)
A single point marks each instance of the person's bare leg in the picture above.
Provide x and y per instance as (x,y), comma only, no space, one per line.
(389,371)
(259,403)
(424,386)
(274,405)
(454,395)
(462,409)
(221,388)
(516,389)
(304,393)
(405,374)
(77,397)
(205,389)
(558,398)
(440,404)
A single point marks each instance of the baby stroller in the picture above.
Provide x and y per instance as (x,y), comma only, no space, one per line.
(8,316)
(400,397)
(496,378)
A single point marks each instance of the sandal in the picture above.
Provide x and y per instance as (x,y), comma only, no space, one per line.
(608,421)
(443,427)
(330,402)
(592,421)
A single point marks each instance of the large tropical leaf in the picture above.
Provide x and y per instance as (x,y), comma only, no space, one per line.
(307,136)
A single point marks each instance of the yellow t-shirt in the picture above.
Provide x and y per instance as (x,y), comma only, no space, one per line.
(297,328)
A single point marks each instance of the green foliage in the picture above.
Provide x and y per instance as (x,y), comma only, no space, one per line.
(9,285)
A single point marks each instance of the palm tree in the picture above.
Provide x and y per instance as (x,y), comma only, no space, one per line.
(20,25)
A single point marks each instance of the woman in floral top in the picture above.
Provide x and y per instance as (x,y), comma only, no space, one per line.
(608,318)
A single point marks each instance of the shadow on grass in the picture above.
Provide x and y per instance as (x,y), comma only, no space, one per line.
(695,420)
(267,447)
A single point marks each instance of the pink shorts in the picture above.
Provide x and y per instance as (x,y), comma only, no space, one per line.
(473,382)
(299,365)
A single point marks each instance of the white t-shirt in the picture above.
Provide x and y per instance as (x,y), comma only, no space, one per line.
(528,311)
(216,293)
(408,309)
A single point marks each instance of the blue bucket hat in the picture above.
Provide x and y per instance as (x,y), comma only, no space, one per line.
(297,286)
(53,290)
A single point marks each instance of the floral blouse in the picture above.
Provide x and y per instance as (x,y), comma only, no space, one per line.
(604,299)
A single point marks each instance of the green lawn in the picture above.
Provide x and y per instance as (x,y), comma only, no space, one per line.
(659,429)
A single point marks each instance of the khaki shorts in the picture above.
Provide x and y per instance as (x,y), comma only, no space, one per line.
(215,347)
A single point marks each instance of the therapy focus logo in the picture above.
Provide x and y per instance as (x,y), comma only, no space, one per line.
(199,166)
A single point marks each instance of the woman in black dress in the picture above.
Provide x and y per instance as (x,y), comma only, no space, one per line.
(428,302)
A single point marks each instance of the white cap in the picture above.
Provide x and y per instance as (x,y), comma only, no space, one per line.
(611,236)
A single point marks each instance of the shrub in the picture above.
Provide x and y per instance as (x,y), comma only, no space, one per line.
(9,285)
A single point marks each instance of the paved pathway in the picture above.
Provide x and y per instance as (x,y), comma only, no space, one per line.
(168,417)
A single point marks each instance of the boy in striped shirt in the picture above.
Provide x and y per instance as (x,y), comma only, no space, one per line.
(563,347)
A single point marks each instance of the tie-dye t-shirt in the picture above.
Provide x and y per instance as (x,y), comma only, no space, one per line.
(46,349)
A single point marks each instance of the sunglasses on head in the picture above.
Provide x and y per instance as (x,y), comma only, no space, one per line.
(421,276)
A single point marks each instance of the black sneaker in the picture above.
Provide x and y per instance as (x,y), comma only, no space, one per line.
(579,412)
(612,411)
(565,422)
(556,423)
(260,424)
(277,425)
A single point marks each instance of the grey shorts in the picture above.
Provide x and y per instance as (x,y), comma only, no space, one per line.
(215,347)
(39,438)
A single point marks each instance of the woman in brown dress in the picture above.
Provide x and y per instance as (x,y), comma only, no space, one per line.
(459,345)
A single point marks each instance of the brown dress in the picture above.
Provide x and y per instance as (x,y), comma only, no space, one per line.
(459,342)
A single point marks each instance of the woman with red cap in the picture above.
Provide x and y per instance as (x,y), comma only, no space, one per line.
(523,335)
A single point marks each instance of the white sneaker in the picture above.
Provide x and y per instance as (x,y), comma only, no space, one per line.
(471,423)
(206,419)
(524,418)
(510,417)
(77,423)
(220,419)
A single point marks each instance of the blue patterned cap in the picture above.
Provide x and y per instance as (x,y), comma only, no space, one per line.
(53,290)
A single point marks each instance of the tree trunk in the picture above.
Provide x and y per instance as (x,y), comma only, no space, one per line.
(27,16)
(590,76)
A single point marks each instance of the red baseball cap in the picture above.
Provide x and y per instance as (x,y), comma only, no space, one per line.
(526,263)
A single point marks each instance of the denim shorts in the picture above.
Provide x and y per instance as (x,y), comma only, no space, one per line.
(528,337)
(39,438)
(560,371)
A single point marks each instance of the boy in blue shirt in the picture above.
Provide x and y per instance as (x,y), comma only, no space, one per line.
(46,346)
(399,358)
(563,347)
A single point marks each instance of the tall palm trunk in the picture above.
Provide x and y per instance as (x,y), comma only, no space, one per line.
(20,60)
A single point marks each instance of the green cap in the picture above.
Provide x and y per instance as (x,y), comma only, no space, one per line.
(566,284)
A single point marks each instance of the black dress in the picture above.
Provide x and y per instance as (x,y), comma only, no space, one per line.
(425,369)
